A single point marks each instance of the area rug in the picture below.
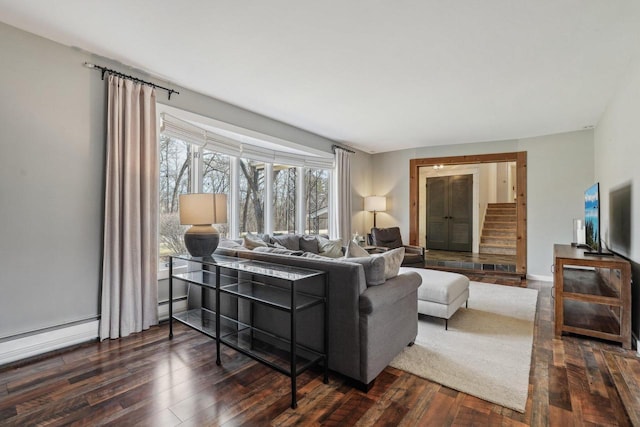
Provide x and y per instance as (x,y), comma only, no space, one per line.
(487,350)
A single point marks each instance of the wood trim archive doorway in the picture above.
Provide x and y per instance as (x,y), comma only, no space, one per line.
(519,157)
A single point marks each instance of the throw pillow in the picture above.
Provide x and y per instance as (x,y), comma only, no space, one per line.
(330,248)
(355,251)
(289,241)
(374,268)
(309,244)
(392,262)
(252,241)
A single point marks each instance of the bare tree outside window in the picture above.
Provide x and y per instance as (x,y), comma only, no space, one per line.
(284,199)
(317,201)
(252,188)
(216,178)
(175,179)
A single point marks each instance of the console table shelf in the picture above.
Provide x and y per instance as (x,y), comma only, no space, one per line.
(274,286)
(592,295)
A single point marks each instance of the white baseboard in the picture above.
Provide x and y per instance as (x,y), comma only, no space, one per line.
(40,343)
(540,277)
(33,345)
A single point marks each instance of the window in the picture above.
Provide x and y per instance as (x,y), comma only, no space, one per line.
(175,179)
(251,197)
(316,199)
(284,199)
(216,178)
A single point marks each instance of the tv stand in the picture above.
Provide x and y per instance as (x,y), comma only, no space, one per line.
(592,295)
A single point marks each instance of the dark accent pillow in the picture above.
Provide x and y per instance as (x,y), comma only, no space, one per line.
(309,244)
(289,241)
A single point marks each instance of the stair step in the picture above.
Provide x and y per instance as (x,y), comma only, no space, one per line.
(501,211)
(497,249)
(499,225)
(502,241)
(498,232)
(500,218)
(502,205)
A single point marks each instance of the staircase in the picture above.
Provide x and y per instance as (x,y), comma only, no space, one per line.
(499,229)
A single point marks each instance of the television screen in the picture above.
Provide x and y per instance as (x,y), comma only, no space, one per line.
(620,220)
(592,217)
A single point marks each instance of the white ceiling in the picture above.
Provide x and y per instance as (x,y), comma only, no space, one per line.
(377,75)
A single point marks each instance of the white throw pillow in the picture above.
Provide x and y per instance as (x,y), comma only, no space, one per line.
(355,251)
(330,248)
(392,262)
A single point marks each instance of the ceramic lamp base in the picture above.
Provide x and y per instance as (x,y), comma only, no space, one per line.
(201,240)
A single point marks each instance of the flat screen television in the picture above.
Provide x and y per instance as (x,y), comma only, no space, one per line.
(620,220)
(592,217)
(592,220)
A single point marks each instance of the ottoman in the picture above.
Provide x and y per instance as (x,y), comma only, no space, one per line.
(441,293)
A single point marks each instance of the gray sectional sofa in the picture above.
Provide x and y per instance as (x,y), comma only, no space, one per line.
(368,325)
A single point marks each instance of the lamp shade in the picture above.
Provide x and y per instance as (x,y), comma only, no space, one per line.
(196,208)
(219,208)
(203,208)
(375,203)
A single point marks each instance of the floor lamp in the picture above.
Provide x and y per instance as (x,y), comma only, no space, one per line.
(375,204)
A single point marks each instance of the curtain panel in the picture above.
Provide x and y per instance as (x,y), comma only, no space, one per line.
(130,256)
(341,224)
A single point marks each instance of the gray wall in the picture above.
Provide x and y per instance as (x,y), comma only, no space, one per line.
(559,169)
(52,136)
(617,150)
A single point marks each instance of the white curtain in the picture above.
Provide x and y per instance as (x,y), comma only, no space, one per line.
(130,259)
(341,224)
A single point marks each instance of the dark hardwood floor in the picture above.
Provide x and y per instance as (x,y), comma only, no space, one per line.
(150,380)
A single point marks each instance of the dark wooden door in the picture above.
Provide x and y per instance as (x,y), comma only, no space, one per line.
(450,213)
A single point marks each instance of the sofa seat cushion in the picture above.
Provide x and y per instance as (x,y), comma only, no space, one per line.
(276,250)
(440,287)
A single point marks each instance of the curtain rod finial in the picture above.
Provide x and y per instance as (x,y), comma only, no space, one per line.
(89,65)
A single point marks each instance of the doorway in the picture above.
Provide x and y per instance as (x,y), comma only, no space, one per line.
(519,194)
(449,213)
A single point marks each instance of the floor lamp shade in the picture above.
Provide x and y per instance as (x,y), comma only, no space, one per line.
(375,204)
(201,210)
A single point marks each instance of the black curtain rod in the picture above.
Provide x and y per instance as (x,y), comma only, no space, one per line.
(126,76)
(334,146)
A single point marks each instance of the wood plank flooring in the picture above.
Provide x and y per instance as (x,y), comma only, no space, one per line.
(150,380)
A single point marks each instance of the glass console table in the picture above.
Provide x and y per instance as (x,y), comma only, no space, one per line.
(251,290)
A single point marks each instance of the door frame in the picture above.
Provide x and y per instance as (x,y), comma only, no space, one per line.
(520,157)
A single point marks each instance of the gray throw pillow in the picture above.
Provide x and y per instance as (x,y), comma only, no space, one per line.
(330,248)
(374,268)
(355,251)
(393,261)
(289,241)
(309,244)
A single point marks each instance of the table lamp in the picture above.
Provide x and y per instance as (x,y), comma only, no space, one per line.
(201,210)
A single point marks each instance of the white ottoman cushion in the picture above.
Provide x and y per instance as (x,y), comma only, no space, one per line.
(441,292)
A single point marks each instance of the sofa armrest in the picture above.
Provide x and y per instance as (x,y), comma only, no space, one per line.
(414,249)
(389,292)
